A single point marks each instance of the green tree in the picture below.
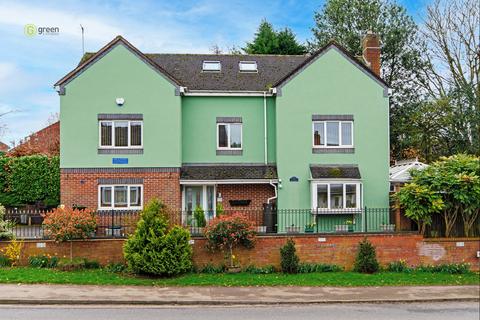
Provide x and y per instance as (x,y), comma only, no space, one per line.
(456,181)
(366,260)
(287,43)
(269,41)
(289,260)
(347,21)
(29,180)
(155,248)
(419,203)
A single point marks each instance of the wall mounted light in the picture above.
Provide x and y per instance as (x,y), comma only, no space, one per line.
(120,101)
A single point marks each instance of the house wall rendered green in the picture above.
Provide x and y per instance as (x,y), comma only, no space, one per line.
(183,129)
(120,73)
(332,85)
(199,135)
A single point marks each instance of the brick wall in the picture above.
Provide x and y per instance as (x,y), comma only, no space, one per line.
(337,249)
(257,193)
(81,188)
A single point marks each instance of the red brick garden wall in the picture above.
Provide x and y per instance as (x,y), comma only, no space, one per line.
(81,188)
(336,249)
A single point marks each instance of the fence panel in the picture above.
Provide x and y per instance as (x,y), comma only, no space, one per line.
(121,223)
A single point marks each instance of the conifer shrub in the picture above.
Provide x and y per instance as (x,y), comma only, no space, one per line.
(155,248)
(366,260)
(289,260)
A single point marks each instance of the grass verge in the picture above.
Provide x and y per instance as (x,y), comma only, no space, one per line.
(342,279)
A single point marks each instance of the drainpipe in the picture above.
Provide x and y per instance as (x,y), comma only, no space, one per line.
(276,192)
(265,126)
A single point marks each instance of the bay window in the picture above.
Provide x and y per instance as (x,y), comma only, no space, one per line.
(332,134)
(336,195)
(120,197)
(121,134)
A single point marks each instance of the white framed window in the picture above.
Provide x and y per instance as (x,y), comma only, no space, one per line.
(247,66)
(212,66)
(229,136)
(332,134)
(120,197)
(120,134)
(336,195)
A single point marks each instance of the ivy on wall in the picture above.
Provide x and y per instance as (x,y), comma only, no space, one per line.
(30,180)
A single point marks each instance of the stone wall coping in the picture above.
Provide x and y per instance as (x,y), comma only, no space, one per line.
(476,239)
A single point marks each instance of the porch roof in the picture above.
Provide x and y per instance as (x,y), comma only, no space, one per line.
(335,171)
(212,172)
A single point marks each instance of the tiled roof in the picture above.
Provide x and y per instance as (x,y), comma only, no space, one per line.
(3,147)
(228,172)
(335,171)
(187,69)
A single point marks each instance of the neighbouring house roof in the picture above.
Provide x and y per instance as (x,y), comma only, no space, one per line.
(400,171)
(186,69)
(228,172)
(4,147)
(45,141)
(326,171)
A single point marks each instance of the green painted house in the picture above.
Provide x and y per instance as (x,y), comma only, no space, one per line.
(199,130)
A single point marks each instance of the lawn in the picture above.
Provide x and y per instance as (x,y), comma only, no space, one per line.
(102,277)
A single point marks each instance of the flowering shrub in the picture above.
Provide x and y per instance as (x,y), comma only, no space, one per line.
(64,224)
(13,250)
(228,231)
(5,226)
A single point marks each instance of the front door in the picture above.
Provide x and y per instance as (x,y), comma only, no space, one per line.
(199,196)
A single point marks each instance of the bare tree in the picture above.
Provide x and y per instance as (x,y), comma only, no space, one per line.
(452,35)
(215,49)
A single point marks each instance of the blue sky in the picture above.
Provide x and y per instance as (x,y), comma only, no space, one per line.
(30,65)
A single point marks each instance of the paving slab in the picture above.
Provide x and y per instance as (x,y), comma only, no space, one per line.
(88,294)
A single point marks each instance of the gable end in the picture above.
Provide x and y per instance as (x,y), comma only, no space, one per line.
(60,84)
(342,51)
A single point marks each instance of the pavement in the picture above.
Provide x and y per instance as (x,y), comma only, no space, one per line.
(278,295)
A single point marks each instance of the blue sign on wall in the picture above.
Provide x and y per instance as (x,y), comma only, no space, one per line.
(119,160)
(293,179)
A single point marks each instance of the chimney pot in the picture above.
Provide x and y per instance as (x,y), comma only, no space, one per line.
(371,51)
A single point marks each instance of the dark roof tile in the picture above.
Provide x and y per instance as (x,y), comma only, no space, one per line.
(228,172)
(335,171)
(187,69)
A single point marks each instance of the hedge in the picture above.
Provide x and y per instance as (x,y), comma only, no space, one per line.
(29,180)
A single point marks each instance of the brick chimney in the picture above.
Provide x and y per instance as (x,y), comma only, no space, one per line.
(371,51)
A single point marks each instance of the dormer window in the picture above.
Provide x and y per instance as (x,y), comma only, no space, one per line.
(212,66)
(247,66)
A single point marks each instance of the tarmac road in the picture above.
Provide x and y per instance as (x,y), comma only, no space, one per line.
(367,311)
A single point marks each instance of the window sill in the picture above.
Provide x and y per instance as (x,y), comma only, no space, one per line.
(333,150)
(229,152)
(103,209)
(321,211)
(120,151)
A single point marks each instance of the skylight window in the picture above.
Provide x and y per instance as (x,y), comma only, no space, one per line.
(248,66)
(211,66)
